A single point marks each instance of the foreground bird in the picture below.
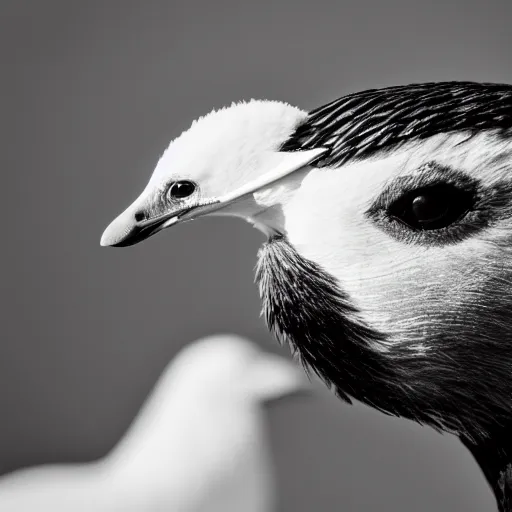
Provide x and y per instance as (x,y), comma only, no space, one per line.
(388,260)
(198,445)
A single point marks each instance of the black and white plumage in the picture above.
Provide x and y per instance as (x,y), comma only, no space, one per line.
(360,124)
(388,261)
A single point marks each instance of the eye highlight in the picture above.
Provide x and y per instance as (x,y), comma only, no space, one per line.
(181,189)
(431,207)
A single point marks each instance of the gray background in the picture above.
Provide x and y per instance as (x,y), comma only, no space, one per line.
(91,93)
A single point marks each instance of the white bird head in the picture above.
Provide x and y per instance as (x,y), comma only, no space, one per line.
(229,367)
(213,167)
(217,379)
(389,259)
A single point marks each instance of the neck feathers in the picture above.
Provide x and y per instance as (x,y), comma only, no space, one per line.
(304,306)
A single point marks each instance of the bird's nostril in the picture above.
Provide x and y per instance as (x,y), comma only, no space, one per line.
(139,216)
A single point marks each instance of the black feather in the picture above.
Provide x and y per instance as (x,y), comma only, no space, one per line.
(360,124)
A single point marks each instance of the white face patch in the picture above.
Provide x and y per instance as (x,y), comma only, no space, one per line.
(400,288)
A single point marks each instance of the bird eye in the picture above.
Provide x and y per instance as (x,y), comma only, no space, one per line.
(432,207)
(181,189)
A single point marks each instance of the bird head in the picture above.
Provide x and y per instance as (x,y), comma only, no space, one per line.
(230,367)
(214,168)
(201,403)
(389,258)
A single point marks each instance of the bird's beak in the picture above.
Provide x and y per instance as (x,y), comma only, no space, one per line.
(127,230)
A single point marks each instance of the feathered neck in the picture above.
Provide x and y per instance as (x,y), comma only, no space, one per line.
(304,306)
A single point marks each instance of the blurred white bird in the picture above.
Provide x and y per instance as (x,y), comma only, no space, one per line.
(388,260)
(198,444)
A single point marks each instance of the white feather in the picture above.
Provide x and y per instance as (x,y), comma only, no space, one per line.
(224,149)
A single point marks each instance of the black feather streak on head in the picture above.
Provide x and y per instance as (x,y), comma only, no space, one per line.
(463,387)
(361,124)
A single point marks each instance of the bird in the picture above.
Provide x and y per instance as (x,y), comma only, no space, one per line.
(386,265)
(198,444)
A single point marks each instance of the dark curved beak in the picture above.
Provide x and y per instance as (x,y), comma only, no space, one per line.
(126,230)
(139,233)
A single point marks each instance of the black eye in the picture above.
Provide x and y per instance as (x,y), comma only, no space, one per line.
(432,207)
(181,189)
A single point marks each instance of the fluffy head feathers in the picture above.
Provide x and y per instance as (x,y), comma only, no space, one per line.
(225,148)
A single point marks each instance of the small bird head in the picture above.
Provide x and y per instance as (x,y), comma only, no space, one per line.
(210,391)
(235,368)
(214,167)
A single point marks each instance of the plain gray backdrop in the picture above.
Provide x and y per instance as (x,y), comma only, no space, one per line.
(91,94)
